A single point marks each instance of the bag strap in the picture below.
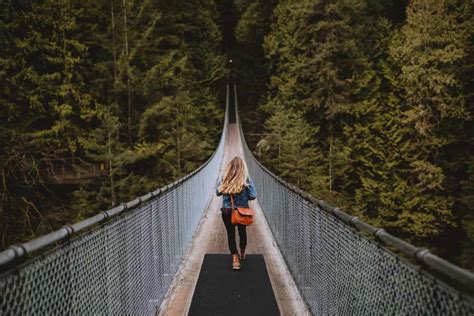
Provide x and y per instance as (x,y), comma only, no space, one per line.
(232,200)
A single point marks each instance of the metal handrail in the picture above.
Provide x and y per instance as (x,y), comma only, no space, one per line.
(456,275)
(15,252)
(423,256)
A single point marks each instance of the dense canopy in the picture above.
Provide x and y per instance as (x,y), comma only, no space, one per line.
(367,104)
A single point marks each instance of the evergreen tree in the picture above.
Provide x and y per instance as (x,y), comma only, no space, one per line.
(45,108)
(251,70)
(428,51)
(291,150)
(172,62)
(461,176)
(320,69)
(78,78)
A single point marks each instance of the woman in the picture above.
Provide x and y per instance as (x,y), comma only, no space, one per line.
(236,182)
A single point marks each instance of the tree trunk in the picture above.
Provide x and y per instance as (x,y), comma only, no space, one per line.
(113,196)
(330,157)
(127,73)
(114,50)
(177,142)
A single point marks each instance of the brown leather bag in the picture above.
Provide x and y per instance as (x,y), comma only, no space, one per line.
(241,215)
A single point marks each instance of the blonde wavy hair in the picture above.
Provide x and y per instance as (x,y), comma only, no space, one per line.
(235,177)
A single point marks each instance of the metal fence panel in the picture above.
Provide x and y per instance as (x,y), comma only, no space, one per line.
(124,266)
(340,271)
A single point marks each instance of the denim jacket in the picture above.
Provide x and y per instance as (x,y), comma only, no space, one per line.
(240,199)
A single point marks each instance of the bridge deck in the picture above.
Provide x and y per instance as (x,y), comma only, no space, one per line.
(223,291)
(211,238)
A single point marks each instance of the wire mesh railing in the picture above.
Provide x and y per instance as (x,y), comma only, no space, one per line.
(123,266)
(340,271)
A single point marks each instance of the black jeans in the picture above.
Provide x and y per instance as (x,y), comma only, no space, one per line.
(226,217)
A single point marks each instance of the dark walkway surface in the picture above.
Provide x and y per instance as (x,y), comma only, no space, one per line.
(223,291)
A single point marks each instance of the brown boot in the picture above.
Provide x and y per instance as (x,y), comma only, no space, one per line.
(235,262)
(242,254)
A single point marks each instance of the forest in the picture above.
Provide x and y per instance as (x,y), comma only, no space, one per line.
(367,104)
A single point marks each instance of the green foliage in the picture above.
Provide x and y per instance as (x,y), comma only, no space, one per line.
(368,109)
(319,68)
(45,110)
(167,123)
(429,51)
(251,71)
(290,152)
(388,107)
(126,87)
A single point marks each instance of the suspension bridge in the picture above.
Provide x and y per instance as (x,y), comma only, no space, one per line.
(165,253)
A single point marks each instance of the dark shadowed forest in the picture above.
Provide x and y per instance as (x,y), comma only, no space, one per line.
(367,104)
(102,101)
